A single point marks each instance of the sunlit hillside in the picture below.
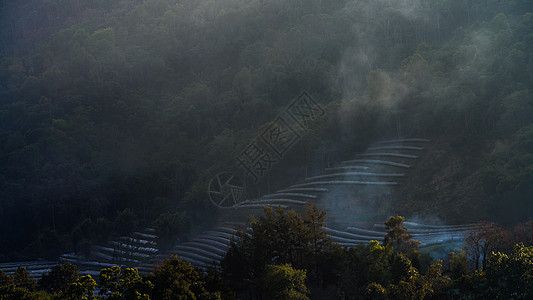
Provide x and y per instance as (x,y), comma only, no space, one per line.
(118,117)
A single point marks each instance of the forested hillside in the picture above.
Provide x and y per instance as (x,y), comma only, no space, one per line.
(116,114)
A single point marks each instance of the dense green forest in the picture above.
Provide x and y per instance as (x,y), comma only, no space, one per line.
(116,114)
(287,255)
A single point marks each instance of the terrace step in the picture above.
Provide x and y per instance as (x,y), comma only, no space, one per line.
(221,240)
(401,147)
(206,247)
(197,257)
(377,162)
(347,235)
(318,190)
(274,201)
(199,251)
(362,168)
(365,231)
(345,182)
(296,195)
(356,174)
(383,154)
(404,140)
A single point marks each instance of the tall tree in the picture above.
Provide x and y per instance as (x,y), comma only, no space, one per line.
(398,236)
(280,237)
(285,282)
(59,278)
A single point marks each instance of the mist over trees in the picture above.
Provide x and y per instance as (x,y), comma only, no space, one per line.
(115,114)
(256,266)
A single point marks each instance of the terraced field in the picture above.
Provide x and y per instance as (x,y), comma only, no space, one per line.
(138,250)
(35,268)
(356,195)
